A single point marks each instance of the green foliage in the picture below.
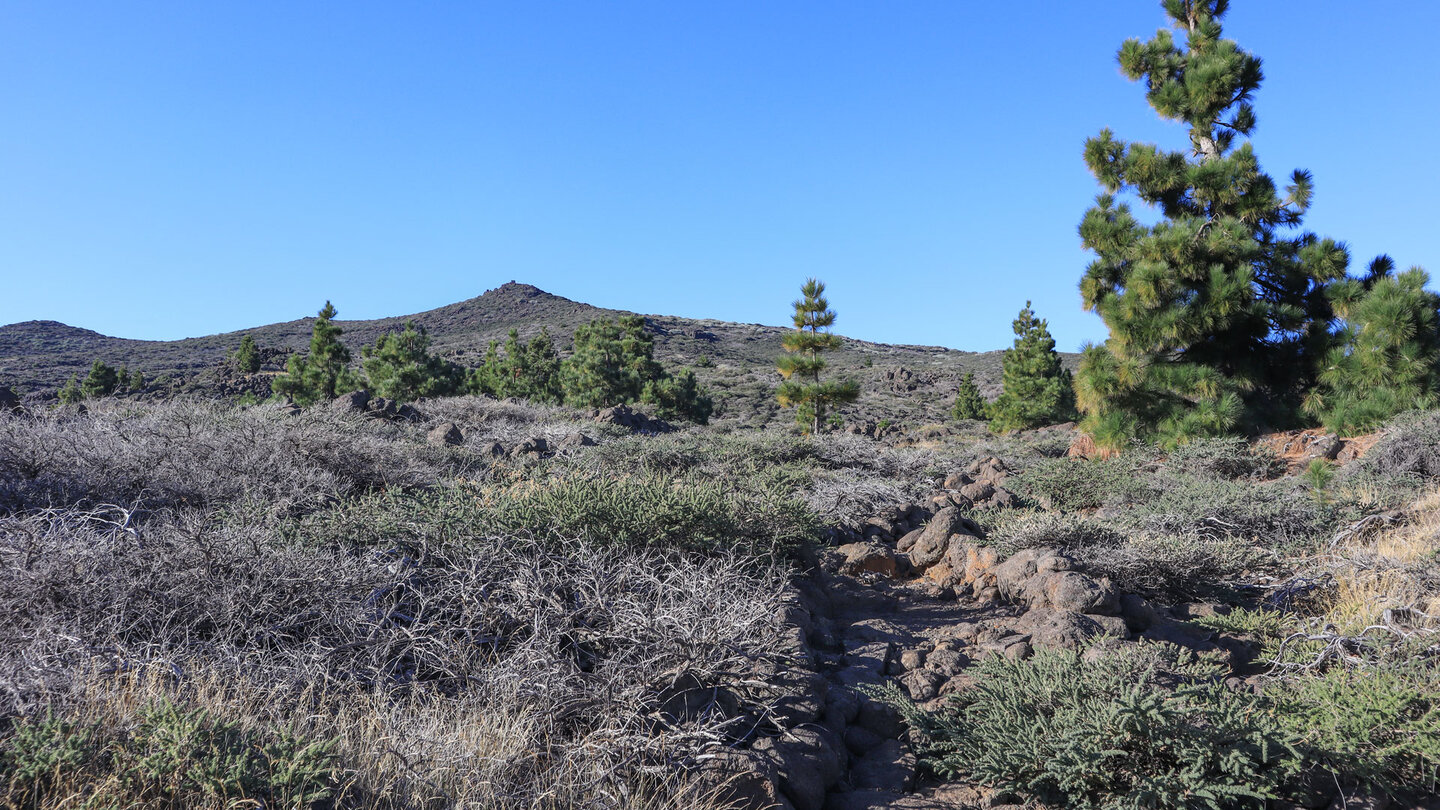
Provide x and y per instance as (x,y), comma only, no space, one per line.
(1386,357)
(324,373)
(1084,731)
(400,366)
(968,402)
(528,371)
(137,381)
(1318,474)
(762,520)
(1215,312)
(122,378)
(679,397)
(1037,389)
(172,757)
(1073,484)
(1262,625)
(176,753)
(41,751)
(801,366)
(1380,724)
(247,356)
(70,392)
(614,363)
(100,382)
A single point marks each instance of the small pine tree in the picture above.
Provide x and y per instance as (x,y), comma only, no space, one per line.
(70,393)
(122,379)
(529,371)
(100,382)
(400,367)
(968,402)
(1387,352)
(680,397)
(137,381)
(324,373)
(247,357)
(614,363)
(1037,389)
(801,365)
(607,362)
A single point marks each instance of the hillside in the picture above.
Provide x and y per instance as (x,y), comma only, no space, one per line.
(913,384)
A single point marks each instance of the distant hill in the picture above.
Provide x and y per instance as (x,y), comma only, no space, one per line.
(909,383)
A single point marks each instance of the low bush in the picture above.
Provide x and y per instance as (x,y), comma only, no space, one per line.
(1070,485)
(1065,533)
(1381,724)
(1231,457)
(1171,567)
(1409,446)
(1084,731)
(170,757)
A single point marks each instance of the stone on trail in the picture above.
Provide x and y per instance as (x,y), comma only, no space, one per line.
(445,434)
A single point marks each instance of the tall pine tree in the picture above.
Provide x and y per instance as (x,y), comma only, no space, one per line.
(1217,313)
(324,373)
(100,382)
(800,367)
(247,356)
(1037,389)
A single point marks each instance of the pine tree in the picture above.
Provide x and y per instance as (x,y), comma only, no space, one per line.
(122,379)
(596,373)
(70,393)
(1037,389)
(324,373)
(529,371)
(680,397)
(100,382)
(247,357)
(400,366)
(137,381)
(969,404)
(1217,313)
(1386,357)
(801,365)
(613,363)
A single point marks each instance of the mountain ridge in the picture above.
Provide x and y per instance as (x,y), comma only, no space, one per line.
(736,360)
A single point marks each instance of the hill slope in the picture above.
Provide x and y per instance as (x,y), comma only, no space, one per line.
(908,383)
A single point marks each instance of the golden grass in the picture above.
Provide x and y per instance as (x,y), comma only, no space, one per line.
(1375,572)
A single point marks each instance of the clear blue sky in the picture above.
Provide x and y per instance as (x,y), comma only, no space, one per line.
(176,169)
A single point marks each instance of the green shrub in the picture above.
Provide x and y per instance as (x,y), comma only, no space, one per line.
(1065,533)
(41,753)
(1071,484)
(1170,567)
(1279,515)
(1074,730)
(1381,724)
(172,757)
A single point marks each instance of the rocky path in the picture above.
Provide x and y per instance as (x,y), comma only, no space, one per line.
(916,610)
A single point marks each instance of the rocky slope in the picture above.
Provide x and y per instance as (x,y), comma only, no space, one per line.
(909,384)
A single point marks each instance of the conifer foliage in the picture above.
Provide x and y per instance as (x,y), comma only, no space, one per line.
(800,367)
(322,374)
(1217,313)
(1038,390)
(526,370)
(1386,357)
(614,363)
(968,402)
(247,356)
(400,366)
(100,382)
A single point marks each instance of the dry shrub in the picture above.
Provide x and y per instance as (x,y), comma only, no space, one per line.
(582,642)
(192,453)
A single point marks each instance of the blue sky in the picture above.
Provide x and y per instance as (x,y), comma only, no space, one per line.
(177,169)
